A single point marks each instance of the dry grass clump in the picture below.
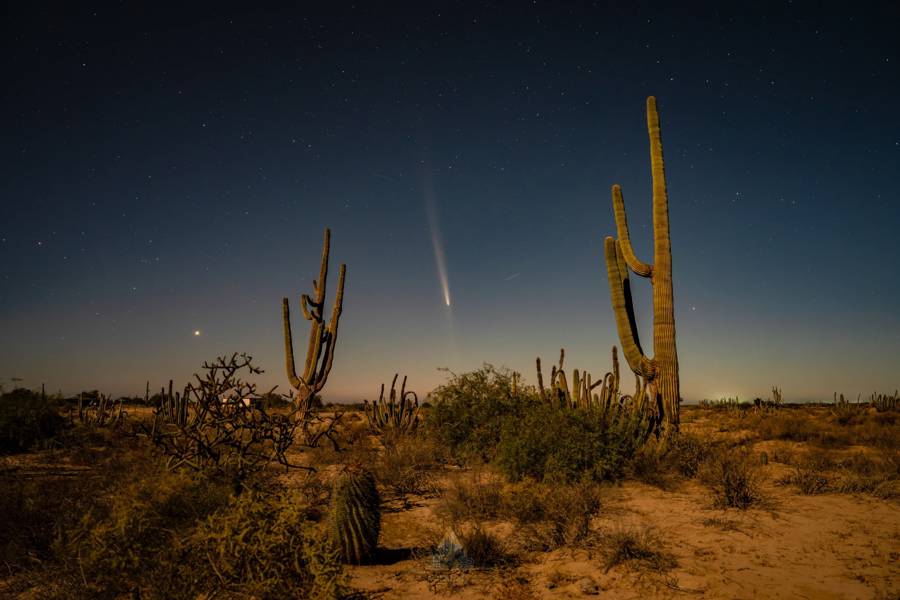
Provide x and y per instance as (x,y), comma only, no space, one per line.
(858,473)
(483,548)
(733,476)
(408,466)
(856,425)
(656,463)
(473,496)
(639,549)
(721,524)
(551,516)
(545,516)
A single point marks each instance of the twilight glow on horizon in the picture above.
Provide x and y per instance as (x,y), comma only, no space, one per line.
(167,177)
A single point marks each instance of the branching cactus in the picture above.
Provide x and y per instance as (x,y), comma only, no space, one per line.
(396,416)
(322,335)
(582,394)
(661,371)
(172,408)
(355,514)
(101,411)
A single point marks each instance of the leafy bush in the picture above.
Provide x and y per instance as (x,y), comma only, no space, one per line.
(27,418)
(263,546)
(563,445)
(407,466)
(131,541)
(469,411)
(733,476)
(179,535)
(655,463)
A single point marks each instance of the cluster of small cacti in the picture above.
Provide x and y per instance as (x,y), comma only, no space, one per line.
(101,411)
(885,402)
(777,397)
(730,404)
(660,372)
(173,406)
(355,514)
(397,415)
(582,394)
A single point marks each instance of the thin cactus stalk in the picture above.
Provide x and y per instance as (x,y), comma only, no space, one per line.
(397,415)
(777,397)
(102,411)
(172,408)
(581,394)
(661,371)
(355,515)
(322,336)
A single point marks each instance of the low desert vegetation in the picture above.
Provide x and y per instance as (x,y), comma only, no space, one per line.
(116,517)
(637,549)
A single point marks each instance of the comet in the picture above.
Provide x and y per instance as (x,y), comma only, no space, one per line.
(436,240)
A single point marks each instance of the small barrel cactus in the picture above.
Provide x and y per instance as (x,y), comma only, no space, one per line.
(356,515)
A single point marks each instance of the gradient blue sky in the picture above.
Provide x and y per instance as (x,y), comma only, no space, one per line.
(171,171)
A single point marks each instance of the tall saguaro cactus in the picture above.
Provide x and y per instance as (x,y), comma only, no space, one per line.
(661,371)
(322,337)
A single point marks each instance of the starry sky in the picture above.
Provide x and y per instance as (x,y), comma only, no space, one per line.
(167,172)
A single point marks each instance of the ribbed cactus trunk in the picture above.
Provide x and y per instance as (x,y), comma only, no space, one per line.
(661,372)
(322,337)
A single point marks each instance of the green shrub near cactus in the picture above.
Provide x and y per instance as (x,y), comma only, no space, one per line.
(549,444)
(356,515)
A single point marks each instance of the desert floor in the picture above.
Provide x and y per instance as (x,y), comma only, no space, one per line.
(786,544)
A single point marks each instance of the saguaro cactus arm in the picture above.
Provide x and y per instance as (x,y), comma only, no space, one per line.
(623,309)
(639,267)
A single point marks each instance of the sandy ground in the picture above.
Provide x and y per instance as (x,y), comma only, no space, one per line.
(826,546)
(817,547)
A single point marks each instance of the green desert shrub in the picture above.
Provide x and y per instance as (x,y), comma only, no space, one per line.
(264,546)
(33,510)
(27,419)
(566,445)
(131,541)
(468,411)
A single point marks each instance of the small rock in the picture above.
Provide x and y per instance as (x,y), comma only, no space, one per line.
(588,586)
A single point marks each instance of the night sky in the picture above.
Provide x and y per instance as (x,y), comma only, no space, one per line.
(171,171)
